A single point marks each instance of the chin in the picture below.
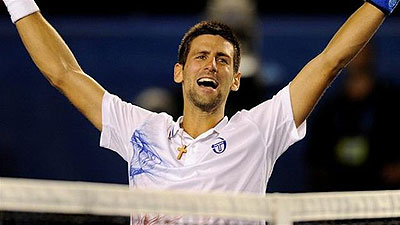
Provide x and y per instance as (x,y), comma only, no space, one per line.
(209,105)
(206,103)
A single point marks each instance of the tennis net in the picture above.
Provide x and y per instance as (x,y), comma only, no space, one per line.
(25,201)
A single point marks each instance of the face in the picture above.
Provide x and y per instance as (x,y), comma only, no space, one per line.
(208,75)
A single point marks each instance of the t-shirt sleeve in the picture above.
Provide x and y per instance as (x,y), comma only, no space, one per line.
(275,121)
(119,120)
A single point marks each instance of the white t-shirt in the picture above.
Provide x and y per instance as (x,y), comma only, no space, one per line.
(237,155)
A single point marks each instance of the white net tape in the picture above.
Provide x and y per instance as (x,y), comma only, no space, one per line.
(119,200)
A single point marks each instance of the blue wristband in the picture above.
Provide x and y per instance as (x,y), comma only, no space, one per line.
(387,6)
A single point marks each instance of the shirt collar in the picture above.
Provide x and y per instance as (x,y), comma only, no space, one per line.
(176,127)
(218,128)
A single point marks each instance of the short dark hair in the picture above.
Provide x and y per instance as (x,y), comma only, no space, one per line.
(214,28)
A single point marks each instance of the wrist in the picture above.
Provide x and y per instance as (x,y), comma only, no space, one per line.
(387,6)
(18,9)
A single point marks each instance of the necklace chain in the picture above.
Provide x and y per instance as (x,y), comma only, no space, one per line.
(182,142)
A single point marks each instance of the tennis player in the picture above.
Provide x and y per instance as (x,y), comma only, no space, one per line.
(203,150)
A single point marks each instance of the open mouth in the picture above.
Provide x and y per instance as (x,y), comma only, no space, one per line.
(207,82)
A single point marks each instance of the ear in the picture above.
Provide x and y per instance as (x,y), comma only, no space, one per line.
(178,73)
(236,81)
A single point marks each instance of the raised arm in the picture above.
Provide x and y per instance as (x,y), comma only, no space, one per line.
(309,85)
(55,60)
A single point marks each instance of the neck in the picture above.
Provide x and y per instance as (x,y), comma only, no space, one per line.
(195,122)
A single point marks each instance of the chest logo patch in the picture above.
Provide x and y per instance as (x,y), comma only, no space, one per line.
(220,146)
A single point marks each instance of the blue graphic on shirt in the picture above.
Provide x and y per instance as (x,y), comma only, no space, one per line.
(144,158)
(220,146)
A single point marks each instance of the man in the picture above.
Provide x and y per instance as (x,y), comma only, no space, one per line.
(203,150)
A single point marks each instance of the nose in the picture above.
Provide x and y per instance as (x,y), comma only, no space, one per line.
(211,65)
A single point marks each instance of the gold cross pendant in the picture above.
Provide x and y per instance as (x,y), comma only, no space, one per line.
(181,151)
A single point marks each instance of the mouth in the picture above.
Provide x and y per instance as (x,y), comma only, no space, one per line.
(207,82)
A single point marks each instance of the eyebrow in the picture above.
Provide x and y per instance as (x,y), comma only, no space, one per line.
(218,53)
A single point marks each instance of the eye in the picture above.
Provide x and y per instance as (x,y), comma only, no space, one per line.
(201,57)
(222,60)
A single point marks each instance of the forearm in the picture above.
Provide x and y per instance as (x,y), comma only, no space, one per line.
(315,77)
(57,63)
(353,36)
(47,49)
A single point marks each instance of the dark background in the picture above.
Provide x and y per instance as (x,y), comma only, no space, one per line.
(189,7)
(183,7)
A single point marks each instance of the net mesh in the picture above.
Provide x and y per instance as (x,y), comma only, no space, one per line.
(24,201)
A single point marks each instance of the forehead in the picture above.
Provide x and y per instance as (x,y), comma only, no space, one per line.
(211,43)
